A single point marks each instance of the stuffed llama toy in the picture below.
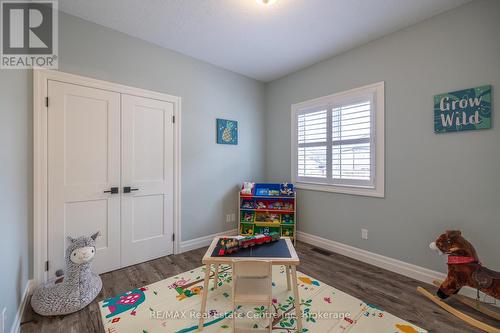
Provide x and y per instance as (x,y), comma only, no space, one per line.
(80,285)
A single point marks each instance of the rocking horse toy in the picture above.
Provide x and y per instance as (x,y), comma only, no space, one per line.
(464,269)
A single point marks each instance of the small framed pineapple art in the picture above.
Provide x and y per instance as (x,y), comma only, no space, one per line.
(227,132)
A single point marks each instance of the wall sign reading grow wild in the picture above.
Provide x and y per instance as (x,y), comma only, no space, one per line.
(463,110)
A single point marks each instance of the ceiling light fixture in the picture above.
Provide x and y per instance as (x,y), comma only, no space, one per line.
(265,2)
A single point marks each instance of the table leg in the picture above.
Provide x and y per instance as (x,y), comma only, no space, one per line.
(298,313)
(216,276)
(204,296)
(288,283)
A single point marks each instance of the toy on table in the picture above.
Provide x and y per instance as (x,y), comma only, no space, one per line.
(230,245)
(464,269)
(247,188)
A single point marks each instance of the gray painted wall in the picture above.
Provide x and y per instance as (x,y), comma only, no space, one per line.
(210,172)
(16,160)
(433,182)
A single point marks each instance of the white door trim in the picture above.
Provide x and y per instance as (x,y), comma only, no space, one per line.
(40,182)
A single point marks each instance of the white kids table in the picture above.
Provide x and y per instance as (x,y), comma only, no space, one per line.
(278,253)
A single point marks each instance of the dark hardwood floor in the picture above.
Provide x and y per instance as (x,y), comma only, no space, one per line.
(392,292)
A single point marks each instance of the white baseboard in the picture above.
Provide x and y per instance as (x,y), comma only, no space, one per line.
(28,290)
(412,271)
(196,243)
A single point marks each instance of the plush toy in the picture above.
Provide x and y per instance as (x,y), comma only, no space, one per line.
(78,288)
(248,204)
(261,205)
(248,217)
(286,189)
(287,218)
(277,205)
(247,188)
(464,267)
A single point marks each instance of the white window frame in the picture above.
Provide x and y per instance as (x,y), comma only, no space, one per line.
(375,188)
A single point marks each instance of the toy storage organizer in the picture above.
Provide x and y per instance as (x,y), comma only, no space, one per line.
(268,209)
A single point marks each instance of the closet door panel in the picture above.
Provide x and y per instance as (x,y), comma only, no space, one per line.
(147,168)
(83,163)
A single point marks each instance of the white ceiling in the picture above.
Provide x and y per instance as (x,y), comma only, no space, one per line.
(261,42)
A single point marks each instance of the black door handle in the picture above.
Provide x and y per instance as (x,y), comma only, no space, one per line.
(113,190)
(128,189)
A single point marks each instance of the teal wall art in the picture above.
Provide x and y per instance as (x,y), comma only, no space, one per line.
(463,110)
(227,132)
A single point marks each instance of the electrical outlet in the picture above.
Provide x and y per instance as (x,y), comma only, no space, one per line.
(2,320)
(364,233)
(228,218)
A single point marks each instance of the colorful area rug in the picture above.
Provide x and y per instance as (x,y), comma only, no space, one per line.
(173,305)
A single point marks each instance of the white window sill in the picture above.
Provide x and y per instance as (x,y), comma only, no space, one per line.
(353,190)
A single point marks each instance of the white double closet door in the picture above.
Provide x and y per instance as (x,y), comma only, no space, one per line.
(110,169)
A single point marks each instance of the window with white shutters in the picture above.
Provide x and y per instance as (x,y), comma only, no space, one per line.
(338,142)
(312,144)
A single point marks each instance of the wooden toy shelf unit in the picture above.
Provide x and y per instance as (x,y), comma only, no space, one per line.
(265,208)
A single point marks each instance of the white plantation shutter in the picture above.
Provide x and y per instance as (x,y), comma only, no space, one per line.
(312,144)
(352,160)
(335,140)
